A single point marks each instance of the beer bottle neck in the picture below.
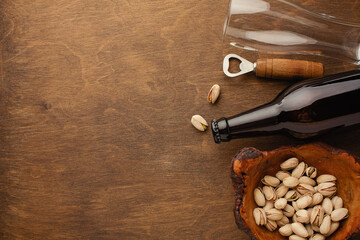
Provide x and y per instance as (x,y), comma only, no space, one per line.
(257,122)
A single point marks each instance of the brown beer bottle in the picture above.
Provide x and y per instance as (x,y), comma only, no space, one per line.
(305,109)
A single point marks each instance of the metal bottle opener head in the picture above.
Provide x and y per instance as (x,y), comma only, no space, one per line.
(245,65)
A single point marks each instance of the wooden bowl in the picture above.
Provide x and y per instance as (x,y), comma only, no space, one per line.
(250,165)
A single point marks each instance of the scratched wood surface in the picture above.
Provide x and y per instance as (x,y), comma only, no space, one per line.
(95,105)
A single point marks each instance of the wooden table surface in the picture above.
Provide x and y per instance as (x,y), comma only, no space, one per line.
(95,136)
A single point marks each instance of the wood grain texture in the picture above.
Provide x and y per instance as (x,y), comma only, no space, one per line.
(95,103)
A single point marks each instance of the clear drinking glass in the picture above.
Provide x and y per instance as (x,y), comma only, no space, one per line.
(283,27)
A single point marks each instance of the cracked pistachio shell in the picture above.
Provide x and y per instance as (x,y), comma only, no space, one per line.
(291,182)
(281,190)
(274,214)
(293,203)
(288,211)
(317,237)
(283,221)
(270,181)
(316,199)
(325,178)
(317,215)
(285,230)
(333,227)
(299,170)
(213,94)
(328,206)
(296,237)
(268,205)
(309,211)
(199,123)
(337,202)
(292,195)
(339,214)
(327,189)
(280,203)
(315,228)
(271,225)
(311,172)
(304,202)
(325,225)
(259,216)
(294,219)
(303,188)
(302,216)
(299,229)
(291,163)
(309,229)
(282,174)
(307,180)
(259,197)
(269,193)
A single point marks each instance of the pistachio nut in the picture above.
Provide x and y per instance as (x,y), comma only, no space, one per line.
(325,178)
(271,225)
(268,205)
(311,172)
(307,180)
(337,202)
(270,181)
(302,216)
(288,210)
(327,189)
(292,195)
(317,215)
(282,174)
(315,228)
(285,230)
(293,203)
(280,203)
(303,188)
(291,163)
(281,190)
(304,202)
(269,193)
(316,199)
(299,170)
(299,229)
(294,219)
(317,237)
(274,214)
(259,216)
(309,230)
(333,227)
(199,123)
(259,197)
(325,225)
(291,182)
(213,93)
(328,206)
(296,237)
(309,211)
(339,214)
(283,221)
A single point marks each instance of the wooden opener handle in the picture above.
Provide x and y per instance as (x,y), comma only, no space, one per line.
(288,69)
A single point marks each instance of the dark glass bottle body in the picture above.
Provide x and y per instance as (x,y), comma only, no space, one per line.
(305,109)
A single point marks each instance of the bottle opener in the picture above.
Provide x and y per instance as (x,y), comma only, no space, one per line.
(288,69)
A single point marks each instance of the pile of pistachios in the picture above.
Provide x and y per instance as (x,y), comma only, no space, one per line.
(302,207)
